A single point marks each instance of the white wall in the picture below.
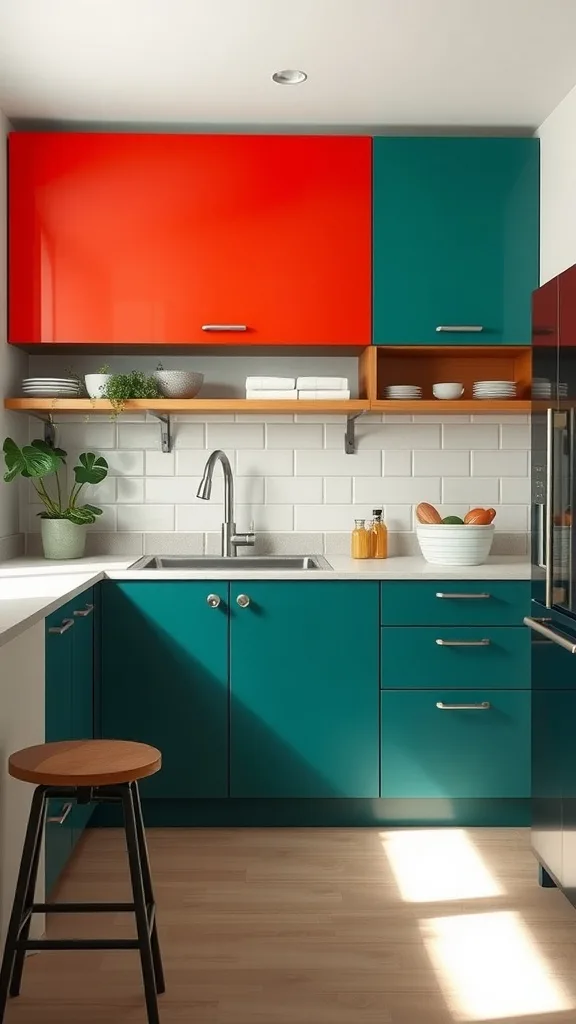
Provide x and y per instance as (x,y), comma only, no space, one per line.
(12,368)
(558,189)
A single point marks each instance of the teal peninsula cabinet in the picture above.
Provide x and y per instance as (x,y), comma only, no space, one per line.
(455,240)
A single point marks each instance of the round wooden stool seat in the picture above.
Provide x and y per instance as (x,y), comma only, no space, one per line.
(85,763)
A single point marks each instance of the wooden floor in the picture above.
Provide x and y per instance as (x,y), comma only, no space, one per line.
(305,926)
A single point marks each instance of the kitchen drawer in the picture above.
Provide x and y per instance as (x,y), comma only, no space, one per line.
(432,753)
(494,657)
(474,602)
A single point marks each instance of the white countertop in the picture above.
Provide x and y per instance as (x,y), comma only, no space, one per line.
(32,588)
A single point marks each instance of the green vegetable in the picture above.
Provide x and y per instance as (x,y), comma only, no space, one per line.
(453,521)
(38,460)
(123,386)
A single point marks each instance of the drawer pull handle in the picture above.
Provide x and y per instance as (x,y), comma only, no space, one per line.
(224,327)
(59,819)
(463,597)
(551,634)
(484,706)
(66,625)
(463,643)
(83,612)
(460,329)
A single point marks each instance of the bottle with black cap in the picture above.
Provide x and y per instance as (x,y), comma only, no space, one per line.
(379,535)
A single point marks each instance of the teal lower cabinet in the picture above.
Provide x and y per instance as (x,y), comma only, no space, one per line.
(456,744)
(303,691)
(460,656)
(454,602)
(164,680)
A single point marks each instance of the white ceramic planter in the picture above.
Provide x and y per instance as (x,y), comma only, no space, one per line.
(96,382)
(62,539)
(455,545)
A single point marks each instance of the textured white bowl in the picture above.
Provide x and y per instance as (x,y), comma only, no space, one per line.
(455,545)
(447,391)
(95,383)
(178,383)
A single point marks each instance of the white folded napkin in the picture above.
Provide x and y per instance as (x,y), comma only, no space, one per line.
(322,383)
(271,393)
(335,395)
(270,383)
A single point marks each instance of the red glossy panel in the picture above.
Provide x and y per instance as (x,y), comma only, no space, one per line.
(143,238)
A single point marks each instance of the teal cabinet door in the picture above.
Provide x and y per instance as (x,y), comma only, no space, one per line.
(304,689)
(83,608)
(463,657)
(455,236)
(454,752)
(164,680)
(455,602)
(60,628)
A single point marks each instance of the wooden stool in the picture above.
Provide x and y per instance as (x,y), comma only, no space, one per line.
(86,771)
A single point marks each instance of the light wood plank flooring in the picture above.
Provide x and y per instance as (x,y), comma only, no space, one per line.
(310,926)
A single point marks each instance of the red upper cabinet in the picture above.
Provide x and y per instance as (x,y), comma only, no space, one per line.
(136,239)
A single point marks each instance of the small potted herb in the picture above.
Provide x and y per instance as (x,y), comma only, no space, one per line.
(121,387)
(64,521)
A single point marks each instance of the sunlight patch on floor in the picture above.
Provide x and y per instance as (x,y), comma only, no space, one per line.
(438,864)
(489,967)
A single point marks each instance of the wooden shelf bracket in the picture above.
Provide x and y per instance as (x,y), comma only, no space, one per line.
(166,438)
(350,435)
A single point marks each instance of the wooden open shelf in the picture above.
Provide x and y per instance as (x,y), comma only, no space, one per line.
(190,405)
(463,406)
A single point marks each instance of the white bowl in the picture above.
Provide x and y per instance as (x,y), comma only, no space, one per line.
(447,391)
(455,545)
(178,383)
(95,383)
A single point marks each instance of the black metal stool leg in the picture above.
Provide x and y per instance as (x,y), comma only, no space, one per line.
(140,912)
(18,907)
(29,900)
(148,887)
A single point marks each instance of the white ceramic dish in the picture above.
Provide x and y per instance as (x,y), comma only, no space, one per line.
(178,383)
(95,383)
(455,545)
(448,392)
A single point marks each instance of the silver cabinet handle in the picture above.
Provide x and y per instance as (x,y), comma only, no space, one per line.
(243,600)
(463,597)
(460,329)
(60,819)
(549,510)
(66,625)
(551,634)
(484,706)
(213,600)
(83,612)
(224,327)
(463,643)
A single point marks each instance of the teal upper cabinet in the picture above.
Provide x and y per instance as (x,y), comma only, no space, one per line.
(304,689)
(164,680)
(456,224)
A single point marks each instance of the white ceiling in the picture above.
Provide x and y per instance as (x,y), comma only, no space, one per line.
(499,63)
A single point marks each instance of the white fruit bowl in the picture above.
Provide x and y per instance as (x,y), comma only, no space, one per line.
(179,383)
(455,545)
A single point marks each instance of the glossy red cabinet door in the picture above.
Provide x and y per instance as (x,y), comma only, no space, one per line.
(117,238)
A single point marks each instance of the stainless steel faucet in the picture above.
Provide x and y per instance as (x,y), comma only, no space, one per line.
(231,540)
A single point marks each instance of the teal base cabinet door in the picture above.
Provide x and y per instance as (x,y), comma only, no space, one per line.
(462,749)
(455,656)
(304,716)
(164,680)
(455,236)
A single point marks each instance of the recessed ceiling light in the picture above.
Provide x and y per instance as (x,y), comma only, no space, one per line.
(289,77)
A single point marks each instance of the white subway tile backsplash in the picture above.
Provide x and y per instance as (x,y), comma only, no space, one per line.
(265,463)
(512,518)
(473,435)
(128,463)
(495,418)
(142,518)
(208,516)
(515,436)
(139,435)
(191,435)
(399,518)
(502,463)
(443,463)
(398,490)
(515,491)
(233,436)
(328,517)
(294,435)
(337,463)
(397,463)
(474,490)
(87,436)
(161,463)
(292,490)
(338,490)
(192,463)
(130,490)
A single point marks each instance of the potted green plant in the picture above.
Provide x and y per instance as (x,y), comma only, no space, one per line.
(121,387)
(64,521)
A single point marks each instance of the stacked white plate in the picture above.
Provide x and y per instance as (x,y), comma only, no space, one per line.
(403,392)
(542,387)
(50,387)
(494,389)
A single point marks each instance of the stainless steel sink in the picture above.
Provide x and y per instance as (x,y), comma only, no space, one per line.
(239,564)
